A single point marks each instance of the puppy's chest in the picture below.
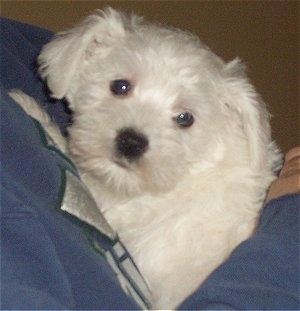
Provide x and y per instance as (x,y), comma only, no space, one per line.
(179,238)
(166,227)
(132,217)
(143,223)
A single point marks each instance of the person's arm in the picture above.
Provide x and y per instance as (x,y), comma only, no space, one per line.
(289,177)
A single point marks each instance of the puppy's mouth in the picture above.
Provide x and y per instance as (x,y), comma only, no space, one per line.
(121,164)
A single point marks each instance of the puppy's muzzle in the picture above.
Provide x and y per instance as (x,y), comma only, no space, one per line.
(131,144)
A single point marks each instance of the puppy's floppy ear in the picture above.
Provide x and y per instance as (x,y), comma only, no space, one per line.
(250,110)
(61,59)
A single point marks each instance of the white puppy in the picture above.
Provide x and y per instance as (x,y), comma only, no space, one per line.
(173,143)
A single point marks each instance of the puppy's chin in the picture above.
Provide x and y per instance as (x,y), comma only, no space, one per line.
(119,176)
(125,179)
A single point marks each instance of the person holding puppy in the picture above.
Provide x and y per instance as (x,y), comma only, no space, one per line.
(51,260)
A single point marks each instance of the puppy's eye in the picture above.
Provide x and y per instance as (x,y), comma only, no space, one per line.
(184,119)
(120,87)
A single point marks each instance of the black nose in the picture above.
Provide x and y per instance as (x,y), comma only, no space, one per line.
(131,143)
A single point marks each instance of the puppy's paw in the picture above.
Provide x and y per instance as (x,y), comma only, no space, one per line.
(30,106)
(36,111)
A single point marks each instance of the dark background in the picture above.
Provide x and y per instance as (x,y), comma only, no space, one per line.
(264,34)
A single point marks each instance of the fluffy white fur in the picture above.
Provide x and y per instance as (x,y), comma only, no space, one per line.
(196,193)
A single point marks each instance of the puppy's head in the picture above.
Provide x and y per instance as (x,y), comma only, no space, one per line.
(153,105)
